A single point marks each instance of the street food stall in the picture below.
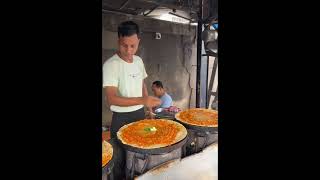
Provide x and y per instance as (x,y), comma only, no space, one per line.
(180,136)
(151,143)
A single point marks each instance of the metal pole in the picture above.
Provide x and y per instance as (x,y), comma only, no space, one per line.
(207,79)
(199,54)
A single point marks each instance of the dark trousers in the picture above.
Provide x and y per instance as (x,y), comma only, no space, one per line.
(119,120)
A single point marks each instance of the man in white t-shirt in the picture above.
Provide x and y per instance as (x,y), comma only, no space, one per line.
(123,80)
(126,92)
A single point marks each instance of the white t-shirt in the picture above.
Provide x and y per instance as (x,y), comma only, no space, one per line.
(127,77)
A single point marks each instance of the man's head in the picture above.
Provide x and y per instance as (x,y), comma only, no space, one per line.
(129,38)
(157,88)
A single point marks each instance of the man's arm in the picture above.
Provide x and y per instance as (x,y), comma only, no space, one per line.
(145,94)
(114,99)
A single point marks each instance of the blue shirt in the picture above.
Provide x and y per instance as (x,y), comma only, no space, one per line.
(166,101)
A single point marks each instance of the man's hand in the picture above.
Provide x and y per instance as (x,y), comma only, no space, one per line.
(150,101)
(152,116)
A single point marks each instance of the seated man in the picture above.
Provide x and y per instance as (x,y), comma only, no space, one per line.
(159,92)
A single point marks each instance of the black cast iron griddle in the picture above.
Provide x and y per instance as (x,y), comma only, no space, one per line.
(161,113)
(162,150)
(165,115)
(213,130)
(109,164)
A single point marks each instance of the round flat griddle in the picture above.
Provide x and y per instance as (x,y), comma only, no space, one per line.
(213,130)
(162,114)
(165,115)
(161,150)
(109,164)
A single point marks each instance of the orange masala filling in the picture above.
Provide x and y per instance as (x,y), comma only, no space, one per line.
(150,132)
(199,117)
(107,153)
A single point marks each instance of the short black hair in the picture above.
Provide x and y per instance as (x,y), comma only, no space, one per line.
(128,28)
(158,84)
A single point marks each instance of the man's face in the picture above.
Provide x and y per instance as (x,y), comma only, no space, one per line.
(128,46)
(156,91)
